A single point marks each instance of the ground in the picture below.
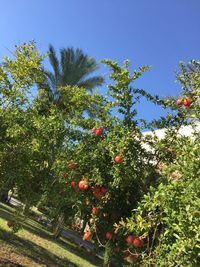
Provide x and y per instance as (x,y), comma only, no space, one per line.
(35,246)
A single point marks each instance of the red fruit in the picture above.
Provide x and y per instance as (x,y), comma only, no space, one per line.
(187,102)
(138,243)
(72,165)
(129,240)
(95,211)
(87,235)
(73,184)
(99,191)
(83,185)
(118,159)
(179,101)
(98,131)
(108,235)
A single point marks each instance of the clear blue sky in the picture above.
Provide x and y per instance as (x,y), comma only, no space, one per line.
(147,32)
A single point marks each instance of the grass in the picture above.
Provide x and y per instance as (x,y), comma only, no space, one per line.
(34,246)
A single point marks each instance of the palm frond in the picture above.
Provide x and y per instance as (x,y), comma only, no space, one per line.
(92,82)
(73,68)
(54,61)
(76,66)
(52,89)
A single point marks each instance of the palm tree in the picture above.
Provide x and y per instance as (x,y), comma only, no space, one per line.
(73,68)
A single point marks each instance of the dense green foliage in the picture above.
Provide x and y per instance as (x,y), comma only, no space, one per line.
(168,216)
(73,163)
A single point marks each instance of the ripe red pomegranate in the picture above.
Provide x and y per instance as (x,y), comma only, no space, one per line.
(96,191)
(138,243)
(98,131)
(73,184)
(95,210)
(187,102)
(83,185)
(87,235)
(179,101)
(99,191)
(130,239)
(108,235)
(118,159)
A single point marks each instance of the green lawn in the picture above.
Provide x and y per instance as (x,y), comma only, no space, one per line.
(35,246)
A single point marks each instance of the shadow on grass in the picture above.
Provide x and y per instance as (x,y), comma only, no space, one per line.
(6,209)
(62,242)
(35,251)
(8,263)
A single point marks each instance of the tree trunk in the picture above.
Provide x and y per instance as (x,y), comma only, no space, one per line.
(108,254)
(58,226)
(26,209)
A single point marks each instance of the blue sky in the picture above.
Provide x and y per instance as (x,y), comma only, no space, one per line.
(147,32)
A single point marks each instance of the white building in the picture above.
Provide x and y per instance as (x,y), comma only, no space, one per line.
(183,131)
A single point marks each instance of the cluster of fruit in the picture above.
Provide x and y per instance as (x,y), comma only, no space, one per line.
(88,234)
(187,102)
(99,132)
(135,241)
(98,192)
(83,183)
